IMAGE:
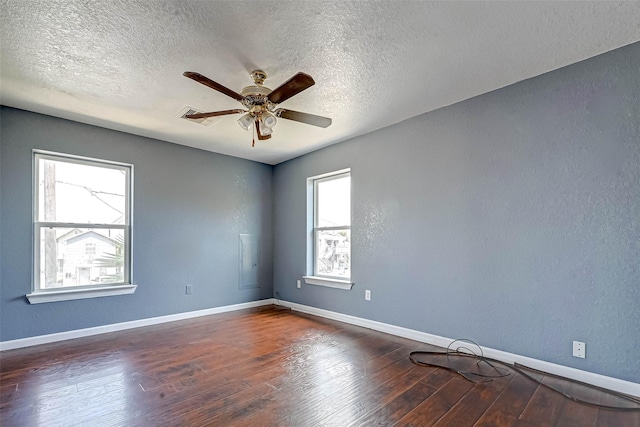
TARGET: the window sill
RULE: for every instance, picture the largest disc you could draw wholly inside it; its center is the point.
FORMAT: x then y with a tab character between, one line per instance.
330	283
71	294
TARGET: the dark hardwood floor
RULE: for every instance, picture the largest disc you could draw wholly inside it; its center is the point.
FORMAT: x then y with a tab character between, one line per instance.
269	367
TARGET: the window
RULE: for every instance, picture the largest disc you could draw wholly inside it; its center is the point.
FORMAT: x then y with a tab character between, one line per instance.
82	228
90	248
331	230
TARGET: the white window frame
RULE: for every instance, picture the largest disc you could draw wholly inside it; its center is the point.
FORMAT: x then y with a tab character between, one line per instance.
315	278
42	295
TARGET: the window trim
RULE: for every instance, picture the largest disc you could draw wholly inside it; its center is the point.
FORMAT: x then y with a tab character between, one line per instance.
314	278
68	294
40	295
329	283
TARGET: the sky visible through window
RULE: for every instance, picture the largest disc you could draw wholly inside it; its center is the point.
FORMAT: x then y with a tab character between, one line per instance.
334	202
83	194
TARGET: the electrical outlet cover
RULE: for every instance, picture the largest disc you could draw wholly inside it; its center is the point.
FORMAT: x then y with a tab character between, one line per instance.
579	349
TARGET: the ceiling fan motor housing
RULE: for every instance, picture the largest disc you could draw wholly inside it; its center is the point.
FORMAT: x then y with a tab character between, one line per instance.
256	95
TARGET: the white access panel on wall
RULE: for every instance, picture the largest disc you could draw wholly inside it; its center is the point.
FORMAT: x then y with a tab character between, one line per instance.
248	265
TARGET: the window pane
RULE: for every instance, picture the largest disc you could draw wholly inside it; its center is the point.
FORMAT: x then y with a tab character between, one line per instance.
334	202
333	253
73	192
81	256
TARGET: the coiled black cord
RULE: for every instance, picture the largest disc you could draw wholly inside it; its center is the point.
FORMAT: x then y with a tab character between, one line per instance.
505	370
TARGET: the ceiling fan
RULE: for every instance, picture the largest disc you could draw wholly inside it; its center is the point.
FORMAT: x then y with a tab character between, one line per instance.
261	102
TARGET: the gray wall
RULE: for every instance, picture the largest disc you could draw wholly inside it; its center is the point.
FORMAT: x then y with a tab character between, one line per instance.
189	208
512	219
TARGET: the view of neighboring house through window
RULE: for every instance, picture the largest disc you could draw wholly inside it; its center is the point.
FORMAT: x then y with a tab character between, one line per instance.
82	222
332	226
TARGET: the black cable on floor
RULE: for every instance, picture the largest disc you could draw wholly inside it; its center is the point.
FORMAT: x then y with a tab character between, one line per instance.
499	372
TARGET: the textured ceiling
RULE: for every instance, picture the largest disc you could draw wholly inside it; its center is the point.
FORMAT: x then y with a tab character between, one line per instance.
119	63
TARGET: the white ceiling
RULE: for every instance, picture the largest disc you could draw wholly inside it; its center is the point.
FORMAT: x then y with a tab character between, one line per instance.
119	63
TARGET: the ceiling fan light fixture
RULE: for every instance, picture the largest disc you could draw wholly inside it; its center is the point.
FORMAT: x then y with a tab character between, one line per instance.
246	121
265	131
268	120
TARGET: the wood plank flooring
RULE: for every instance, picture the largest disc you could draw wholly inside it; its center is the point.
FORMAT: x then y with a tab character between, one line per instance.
269	367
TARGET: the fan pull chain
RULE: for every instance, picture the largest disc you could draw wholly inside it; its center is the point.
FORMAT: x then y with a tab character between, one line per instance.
253	135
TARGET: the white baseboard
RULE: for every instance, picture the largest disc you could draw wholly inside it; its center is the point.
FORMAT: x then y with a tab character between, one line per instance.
79	333
598	380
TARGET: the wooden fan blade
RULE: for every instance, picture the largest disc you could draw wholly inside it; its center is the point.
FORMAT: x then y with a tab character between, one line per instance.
310	119
213	114
293	86
213	85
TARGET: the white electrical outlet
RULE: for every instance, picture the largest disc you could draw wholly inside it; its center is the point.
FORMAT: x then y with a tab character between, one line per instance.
367	295
298	284
579	349
188	290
